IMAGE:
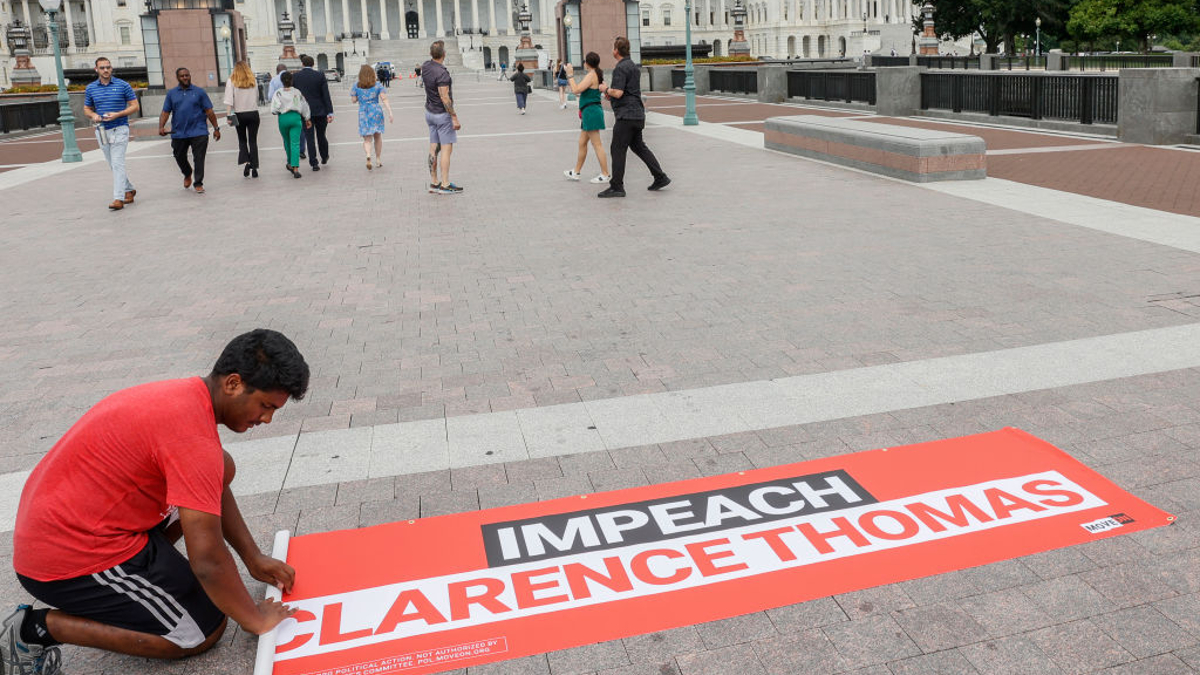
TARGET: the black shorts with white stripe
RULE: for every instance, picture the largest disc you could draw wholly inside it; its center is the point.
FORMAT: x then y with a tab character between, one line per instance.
153	592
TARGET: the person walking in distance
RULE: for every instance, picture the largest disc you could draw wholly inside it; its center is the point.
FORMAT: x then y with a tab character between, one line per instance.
441	118
276	83
108	102
241	110
521	87
294	115
315	89
626	95
192	110
560	82
591	116
99	516
371	100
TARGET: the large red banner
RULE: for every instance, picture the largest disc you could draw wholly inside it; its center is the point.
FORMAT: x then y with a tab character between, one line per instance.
453	591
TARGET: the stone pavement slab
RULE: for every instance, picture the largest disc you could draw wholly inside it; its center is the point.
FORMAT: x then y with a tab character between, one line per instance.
514	317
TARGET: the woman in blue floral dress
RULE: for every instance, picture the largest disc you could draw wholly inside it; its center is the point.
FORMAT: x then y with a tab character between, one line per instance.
371	100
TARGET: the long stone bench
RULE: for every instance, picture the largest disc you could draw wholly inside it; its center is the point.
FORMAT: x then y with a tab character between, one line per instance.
919	155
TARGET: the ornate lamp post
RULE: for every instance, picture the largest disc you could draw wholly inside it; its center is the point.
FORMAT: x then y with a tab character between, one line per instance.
739	46
929	40
525	54
689	81
66	120
24	74
567	22
288	58
1038	40
225	35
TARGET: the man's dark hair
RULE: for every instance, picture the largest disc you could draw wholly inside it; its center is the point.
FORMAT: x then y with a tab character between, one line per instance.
99	59
306	60
179	70
285	78
621	44
436	50
267	360
520	67
280	68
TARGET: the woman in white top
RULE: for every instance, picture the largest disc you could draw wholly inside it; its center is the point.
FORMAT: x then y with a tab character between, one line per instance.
241	110
293	113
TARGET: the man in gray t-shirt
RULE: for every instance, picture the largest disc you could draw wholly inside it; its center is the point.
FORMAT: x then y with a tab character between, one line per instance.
441	118
624	91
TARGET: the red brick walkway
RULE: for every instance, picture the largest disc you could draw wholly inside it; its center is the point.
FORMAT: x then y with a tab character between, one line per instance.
1165	179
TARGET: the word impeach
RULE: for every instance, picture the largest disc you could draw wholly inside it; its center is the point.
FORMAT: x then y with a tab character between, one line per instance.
551	578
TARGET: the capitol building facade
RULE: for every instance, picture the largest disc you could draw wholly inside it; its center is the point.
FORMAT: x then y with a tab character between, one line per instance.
479	33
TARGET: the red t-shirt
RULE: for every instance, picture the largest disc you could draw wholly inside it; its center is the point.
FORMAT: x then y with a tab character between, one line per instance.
115	475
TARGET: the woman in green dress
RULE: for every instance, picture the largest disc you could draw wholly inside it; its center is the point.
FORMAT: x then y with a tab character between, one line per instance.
591	116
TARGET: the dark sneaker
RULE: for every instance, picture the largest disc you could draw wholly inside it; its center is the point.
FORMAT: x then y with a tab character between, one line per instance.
434	188
659	183
450	189
19	658
611	192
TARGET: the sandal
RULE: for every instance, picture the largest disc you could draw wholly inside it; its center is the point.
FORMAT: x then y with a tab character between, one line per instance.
369	164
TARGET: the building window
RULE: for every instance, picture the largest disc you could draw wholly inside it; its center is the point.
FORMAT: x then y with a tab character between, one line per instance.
120	3
645	17
125	39
666	17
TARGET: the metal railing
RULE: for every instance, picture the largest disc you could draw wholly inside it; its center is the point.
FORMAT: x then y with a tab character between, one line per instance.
1196	60
28	115
1019	62
730	81
1086	99
1104	62
825	85
888	61
949	62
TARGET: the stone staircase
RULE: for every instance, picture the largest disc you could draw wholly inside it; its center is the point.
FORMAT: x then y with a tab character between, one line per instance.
408	54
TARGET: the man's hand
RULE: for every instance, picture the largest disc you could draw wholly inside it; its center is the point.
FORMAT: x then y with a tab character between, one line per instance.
307	124
272	614
454	118
162	131
603	88
271	571
216	134
329	119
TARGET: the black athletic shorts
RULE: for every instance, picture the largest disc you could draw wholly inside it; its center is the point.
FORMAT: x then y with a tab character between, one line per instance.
153	592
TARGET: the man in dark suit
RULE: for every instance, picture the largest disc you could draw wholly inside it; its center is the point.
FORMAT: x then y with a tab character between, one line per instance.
312	84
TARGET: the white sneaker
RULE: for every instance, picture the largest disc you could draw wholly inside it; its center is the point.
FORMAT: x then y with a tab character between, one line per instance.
522	111
563	107
571	175
599	179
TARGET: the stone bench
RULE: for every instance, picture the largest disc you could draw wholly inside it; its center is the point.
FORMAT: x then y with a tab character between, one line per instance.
918	155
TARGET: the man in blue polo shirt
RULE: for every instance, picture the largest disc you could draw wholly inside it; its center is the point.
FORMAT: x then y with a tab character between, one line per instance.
193	110
108	103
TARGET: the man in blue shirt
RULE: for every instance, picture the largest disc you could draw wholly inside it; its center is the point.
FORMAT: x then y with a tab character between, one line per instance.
193	111
108	103
276	83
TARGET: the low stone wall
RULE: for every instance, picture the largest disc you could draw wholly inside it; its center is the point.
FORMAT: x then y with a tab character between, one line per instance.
918	155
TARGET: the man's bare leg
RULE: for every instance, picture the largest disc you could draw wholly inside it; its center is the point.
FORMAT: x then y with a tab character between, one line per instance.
74	630
434	149
447	150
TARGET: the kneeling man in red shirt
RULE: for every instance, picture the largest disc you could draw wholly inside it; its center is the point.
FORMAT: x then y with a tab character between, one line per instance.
100	514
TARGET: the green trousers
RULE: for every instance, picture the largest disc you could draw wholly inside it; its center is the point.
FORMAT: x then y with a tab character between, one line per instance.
290	126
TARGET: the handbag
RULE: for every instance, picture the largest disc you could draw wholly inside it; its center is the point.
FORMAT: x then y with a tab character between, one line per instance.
233	120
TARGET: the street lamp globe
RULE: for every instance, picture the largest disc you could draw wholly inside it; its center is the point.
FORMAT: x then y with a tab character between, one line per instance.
50	6
225	32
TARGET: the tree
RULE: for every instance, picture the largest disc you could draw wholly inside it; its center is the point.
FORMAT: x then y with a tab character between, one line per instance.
1133	20
996	21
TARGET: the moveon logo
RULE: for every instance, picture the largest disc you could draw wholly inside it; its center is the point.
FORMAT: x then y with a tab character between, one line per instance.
1108	523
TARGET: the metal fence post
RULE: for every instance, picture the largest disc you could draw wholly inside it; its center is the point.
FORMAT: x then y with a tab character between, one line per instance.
956	94
994	97
1037	91
1085	101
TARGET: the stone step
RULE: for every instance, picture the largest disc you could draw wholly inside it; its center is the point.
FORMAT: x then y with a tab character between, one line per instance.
406	54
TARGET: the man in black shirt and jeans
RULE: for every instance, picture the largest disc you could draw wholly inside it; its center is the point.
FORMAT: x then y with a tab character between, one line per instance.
626	95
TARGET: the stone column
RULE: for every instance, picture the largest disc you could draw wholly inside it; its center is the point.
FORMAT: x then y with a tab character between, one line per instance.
492	26
437	10
366	19
308	30
475	15
345	17
292	15
87	19
422	29
28	22
508	10
328	20
384	33
456	24
70	27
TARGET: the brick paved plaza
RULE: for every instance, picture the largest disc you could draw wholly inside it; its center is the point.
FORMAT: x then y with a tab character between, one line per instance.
525	341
